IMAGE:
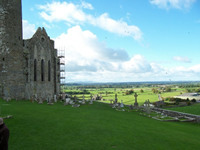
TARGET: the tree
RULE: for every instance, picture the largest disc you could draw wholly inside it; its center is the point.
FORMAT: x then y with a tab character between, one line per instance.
168	89
128	92
154	91
188	90
142	91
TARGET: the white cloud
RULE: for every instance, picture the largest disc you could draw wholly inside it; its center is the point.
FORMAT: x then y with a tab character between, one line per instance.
119	27
182	59
88	59
57	11
176	4
195	68
84	51
74	14
137	64
86	5
28	29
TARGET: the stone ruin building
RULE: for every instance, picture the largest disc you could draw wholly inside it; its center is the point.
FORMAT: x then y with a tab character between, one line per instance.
28	68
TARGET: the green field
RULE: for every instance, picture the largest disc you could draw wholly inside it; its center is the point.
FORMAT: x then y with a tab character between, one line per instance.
127	99
92	127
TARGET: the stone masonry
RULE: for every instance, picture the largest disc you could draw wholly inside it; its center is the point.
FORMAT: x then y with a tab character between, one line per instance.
28	68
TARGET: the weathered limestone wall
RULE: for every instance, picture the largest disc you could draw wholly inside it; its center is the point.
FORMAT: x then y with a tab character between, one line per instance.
41	80
11	51
22	75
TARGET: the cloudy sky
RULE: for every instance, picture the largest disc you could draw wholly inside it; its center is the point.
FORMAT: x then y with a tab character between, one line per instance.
121	40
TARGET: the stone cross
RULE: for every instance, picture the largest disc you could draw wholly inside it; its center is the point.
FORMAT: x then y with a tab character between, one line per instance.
148	103
91	96
83	97
159	97
136	103
115	98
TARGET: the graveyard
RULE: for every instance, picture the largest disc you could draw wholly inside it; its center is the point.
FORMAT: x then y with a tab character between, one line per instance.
93	126
103	118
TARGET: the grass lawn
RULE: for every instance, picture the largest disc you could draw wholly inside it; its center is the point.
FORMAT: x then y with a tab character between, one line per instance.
92	127
193	109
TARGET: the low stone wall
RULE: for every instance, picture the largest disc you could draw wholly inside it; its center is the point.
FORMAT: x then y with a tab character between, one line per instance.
177	114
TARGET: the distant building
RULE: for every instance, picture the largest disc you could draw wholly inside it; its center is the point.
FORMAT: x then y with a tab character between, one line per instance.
28	68
189	96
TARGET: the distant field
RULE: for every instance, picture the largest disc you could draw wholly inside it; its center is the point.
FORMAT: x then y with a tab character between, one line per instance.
128	99
92	127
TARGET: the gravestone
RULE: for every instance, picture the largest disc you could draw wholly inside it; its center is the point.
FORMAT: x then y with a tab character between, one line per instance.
91	101
101	97
83	97
40	101
116	105
83	101
67	100
35	97
147	107
159	97
131	107
8	99
55	98
75	99
48	100
71	102
121	105
76	105
63	96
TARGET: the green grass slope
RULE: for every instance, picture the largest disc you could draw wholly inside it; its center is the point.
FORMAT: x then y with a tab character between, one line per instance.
92	127
193	109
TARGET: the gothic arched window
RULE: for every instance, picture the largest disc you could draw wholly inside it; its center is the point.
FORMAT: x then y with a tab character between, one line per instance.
35	70
49	70
42	70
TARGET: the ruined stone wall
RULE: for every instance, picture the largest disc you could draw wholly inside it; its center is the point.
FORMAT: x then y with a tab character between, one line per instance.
22	75
11	51
41	55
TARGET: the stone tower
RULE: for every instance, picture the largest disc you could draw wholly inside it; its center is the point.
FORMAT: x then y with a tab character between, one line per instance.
12	62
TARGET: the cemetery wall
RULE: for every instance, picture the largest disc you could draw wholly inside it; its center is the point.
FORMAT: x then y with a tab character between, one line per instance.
177	114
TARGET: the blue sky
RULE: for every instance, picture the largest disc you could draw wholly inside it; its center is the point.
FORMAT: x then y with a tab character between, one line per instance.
121	40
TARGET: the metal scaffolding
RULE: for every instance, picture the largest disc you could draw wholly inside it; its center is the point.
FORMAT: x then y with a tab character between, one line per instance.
61	56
